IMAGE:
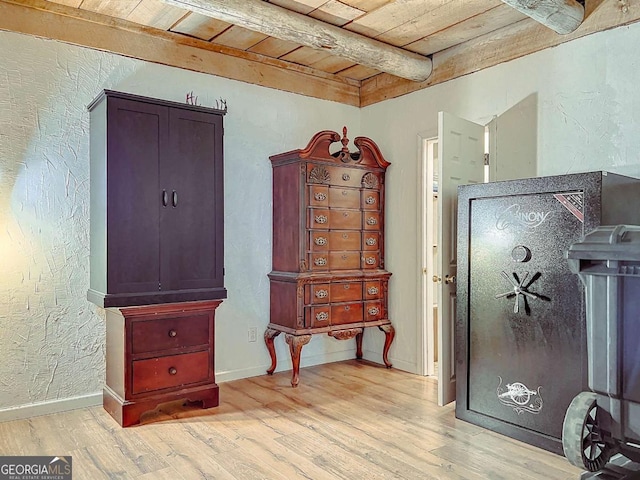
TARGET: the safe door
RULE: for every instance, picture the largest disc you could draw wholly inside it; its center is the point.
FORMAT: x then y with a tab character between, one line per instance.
525	325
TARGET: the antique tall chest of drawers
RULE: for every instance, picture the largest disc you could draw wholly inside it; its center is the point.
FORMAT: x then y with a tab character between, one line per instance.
328	245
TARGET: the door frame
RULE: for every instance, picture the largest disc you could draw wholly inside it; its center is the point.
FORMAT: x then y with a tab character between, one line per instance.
425	340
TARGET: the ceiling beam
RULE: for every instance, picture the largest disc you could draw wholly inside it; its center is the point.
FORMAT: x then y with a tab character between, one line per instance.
284	24
561	16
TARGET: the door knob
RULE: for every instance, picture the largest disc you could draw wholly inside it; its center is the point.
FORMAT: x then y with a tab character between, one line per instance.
436	279
449	279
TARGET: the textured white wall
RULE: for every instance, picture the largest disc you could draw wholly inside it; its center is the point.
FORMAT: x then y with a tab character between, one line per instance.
51	337
588	119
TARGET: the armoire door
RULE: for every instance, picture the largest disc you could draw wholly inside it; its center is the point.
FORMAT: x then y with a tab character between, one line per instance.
191	174
136	136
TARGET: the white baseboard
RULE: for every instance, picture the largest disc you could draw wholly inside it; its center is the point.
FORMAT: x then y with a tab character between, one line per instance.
50	406
376	357
283	365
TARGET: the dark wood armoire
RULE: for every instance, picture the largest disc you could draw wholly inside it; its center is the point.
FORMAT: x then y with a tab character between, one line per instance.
156	248
328	271
520	327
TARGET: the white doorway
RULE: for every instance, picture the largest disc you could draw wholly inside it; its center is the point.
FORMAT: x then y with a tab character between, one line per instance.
456	154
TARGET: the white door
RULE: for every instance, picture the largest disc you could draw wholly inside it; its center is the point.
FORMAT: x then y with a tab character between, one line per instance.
460	162
513	140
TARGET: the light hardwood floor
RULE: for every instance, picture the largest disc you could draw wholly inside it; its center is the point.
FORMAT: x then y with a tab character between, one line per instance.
347	420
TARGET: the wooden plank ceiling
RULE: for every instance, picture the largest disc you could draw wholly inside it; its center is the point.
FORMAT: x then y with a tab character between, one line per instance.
460	37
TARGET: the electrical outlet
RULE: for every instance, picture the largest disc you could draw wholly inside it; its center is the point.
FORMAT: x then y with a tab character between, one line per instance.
253	334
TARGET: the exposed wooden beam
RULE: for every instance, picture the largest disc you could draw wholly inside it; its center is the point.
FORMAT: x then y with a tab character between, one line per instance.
505	44
561	16
288	25
97	31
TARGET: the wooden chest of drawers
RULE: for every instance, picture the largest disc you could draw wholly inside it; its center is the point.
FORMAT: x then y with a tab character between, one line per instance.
157	354
328	245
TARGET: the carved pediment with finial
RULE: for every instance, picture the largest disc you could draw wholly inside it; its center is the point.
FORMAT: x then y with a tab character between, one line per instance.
319	148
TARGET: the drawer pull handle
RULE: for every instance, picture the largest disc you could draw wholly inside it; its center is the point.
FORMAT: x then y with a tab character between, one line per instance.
172	333
165	198
320	316
344	257
345	193
320	196
173	371
345	235
370	200
320	241
371	241
372	290
174	198
321	261
346	286
346	177
371	260
345	214
374	311
322	293
321	219
347	308
372	221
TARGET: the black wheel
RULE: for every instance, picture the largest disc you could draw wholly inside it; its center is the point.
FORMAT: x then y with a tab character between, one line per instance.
582	439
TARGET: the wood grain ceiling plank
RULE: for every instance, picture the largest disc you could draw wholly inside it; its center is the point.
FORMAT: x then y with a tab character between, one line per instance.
336	13
113	8
300	6
332	64
450	13
200	26
392	15
366	5
68	3
486	22
274	47
155	13
305	56
88	29
239	37
502	45
358	72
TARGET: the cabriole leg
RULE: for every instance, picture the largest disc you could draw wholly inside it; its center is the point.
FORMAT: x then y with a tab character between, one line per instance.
389	332
296	343
269	335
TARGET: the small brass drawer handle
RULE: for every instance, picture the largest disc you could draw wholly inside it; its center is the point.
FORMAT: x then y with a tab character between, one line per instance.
372	290
345	235
346	286
172	333
322	316
374	311
322	293
320	241
320	261
173	371
345	214
372	221
320	196
371	241
344	257
321	219
371	260
370	200
347	308
345	193
346	177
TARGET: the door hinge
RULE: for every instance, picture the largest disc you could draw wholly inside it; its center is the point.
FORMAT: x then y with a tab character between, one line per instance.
486	159
159	286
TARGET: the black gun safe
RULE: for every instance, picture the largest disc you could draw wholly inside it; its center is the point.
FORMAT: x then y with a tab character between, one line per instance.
520	321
